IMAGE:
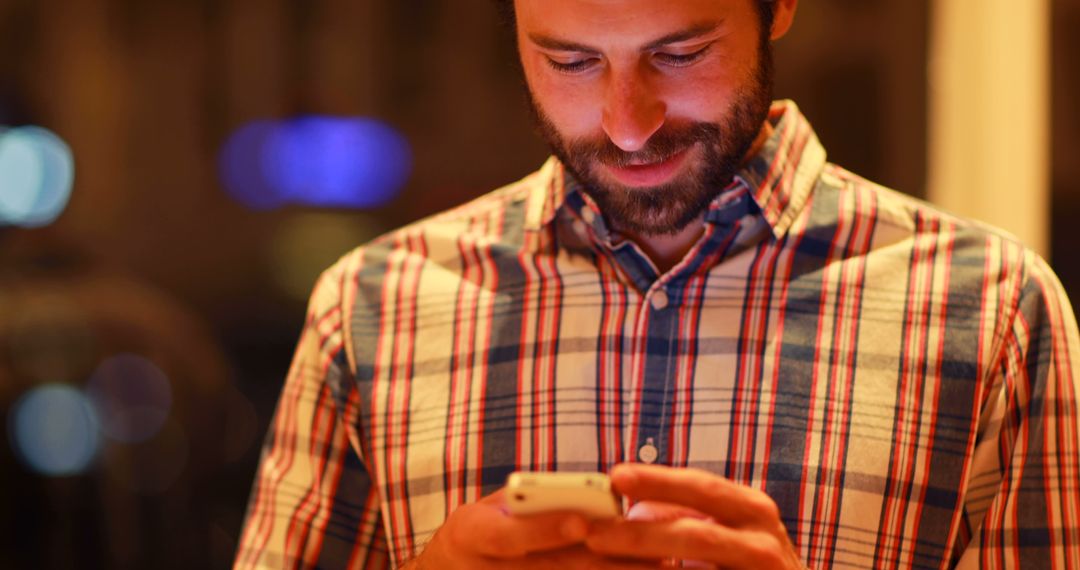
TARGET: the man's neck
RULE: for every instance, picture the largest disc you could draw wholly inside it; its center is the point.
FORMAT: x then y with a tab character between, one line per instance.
666	251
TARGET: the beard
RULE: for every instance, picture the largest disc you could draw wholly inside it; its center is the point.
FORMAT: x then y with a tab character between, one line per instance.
719	148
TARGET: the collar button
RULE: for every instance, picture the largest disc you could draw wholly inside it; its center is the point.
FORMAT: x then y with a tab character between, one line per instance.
660	300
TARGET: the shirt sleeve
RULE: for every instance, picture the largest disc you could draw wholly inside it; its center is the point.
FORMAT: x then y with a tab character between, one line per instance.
313	503
1023	501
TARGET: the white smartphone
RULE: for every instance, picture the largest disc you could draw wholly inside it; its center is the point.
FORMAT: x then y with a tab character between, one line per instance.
587	493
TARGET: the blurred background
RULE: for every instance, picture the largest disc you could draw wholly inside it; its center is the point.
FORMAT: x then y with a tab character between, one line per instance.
174	174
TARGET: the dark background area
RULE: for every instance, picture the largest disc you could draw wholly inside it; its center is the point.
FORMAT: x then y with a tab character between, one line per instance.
152	257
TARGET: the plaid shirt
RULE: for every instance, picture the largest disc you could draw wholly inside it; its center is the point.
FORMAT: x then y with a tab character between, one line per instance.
897	379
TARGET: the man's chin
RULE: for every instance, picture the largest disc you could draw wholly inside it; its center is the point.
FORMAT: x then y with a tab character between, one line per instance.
655	220
655	228
644	211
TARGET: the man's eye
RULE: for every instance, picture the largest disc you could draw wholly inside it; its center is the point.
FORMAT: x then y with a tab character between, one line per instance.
681	60
572	67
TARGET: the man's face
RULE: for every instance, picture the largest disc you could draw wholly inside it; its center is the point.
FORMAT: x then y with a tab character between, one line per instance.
651	104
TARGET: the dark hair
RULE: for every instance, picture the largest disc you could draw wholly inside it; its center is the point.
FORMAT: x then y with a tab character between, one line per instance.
765	13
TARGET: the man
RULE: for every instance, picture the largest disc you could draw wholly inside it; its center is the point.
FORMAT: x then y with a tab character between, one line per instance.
781	364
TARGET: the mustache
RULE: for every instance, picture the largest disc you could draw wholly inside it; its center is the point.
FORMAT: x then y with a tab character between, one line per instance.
664	144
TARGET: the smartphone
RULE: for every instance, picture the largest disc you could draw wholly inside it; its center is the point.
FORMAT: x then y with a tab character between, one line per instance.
587	493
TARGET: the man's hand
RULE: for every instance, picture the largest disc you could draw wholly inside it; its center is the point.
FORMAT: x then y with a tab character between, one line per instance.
483	535
693	515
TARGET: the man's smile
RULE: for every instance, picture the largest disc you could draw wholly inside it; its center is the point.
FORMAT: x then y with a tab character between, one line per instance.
649	174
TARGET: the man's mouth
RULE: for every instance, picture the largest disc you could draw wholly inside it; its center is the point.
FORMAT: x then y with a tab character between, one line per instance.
649	174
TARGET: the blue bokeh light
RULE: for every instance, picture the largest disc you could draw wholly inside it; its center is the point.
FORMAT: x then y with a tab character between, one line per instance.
132	397
242	166
54	431
330	162
37	171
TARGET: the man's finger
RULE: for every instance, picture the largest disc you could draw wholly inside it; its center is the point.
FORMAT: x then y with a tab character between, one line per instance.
656	511
575	558
728	503
486	529
690	539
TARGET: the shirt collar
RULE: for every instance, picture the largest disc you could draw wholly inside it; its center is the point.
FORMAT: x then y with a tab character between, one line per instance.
783	173
780	178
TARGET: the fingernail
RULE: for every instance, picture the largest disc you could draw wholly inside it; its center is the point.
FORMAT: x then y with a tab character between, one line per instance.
574	528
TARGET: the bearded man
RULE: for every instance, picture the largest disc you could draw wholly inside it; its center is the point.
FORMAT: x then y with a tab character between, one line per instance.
780	364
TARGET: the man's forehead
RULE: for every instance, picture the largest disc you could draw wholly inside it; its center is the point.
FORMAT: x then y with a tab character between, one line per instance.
637	21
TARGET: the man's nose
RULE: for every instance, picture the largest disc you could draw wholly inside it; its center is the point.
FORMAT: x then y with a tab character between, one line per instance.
632	111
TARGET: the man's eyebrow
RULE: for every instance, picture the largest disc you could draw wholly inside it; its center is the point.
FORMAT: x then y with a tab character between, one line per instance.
693	32
555	44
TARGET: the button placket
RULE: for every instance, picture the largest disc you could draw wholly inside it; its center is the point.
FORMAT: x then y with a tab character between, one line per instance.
652	409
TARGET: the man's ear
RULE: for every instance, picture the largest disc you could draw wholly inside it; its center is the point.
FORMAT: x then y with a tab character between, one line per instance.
783	16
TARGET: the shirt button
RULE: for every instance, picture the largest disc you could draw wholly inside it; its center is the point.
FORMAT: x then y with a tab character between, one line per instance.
648	453
660	300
